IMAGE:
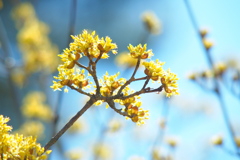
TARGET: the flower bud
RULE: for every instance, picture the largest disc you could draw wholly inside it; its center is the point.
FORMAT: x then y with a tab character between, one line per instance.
155	78
77	56
100	47
146	71
84	83
115	85
134	110
135	119
64	82
144	56
71	65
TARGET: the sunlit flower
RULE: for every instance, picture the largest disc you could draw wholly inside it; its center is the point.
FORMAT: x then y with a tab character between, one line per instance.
140	51
110	84
169	82
154	69
17	146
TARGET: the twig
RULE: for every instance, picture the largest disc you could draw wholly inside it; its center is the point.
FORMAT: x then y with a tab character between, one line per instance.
69	124
216	87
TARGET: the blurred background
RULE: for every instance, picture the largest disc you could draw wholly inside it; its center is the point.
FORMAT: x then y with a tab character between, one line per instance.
198	40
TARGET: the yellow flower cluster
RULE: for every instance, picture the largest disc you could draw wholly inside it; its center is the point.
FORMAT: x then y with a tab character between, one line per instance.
69	77
140	51
154	69
85	44
17	147
110	84
37	50
169	82
91	45
168	79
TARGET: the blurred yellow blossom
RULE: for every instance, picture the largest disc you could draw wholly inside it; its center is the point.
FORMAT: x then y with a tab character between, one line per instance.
172	141
207	43
78	126
32	128
38	53
152	22
1	4
34	107
74	154
102	151
114	125
217	140
125	61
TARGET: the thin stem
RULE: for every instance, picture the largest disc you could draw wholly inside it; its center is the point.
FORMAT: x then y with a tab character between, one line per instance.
146	82
82	66
217	87
136	68
119	111
80	91
132	77
69	124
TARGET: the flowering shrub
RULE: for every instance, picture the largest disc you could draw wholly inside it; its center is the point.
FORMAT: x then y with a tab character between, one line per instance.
110	88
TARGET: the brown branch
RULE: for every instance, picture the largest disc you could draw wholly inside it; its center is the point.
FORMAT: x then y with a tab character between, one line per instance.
119	111
79	90
132	77
69	124
81	66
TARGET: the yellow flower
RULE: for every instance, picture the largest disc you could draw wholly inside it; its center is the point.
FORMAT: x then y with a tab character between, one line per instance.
110	84
140	51
154	69
17	146
4	128
169	82
90	45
